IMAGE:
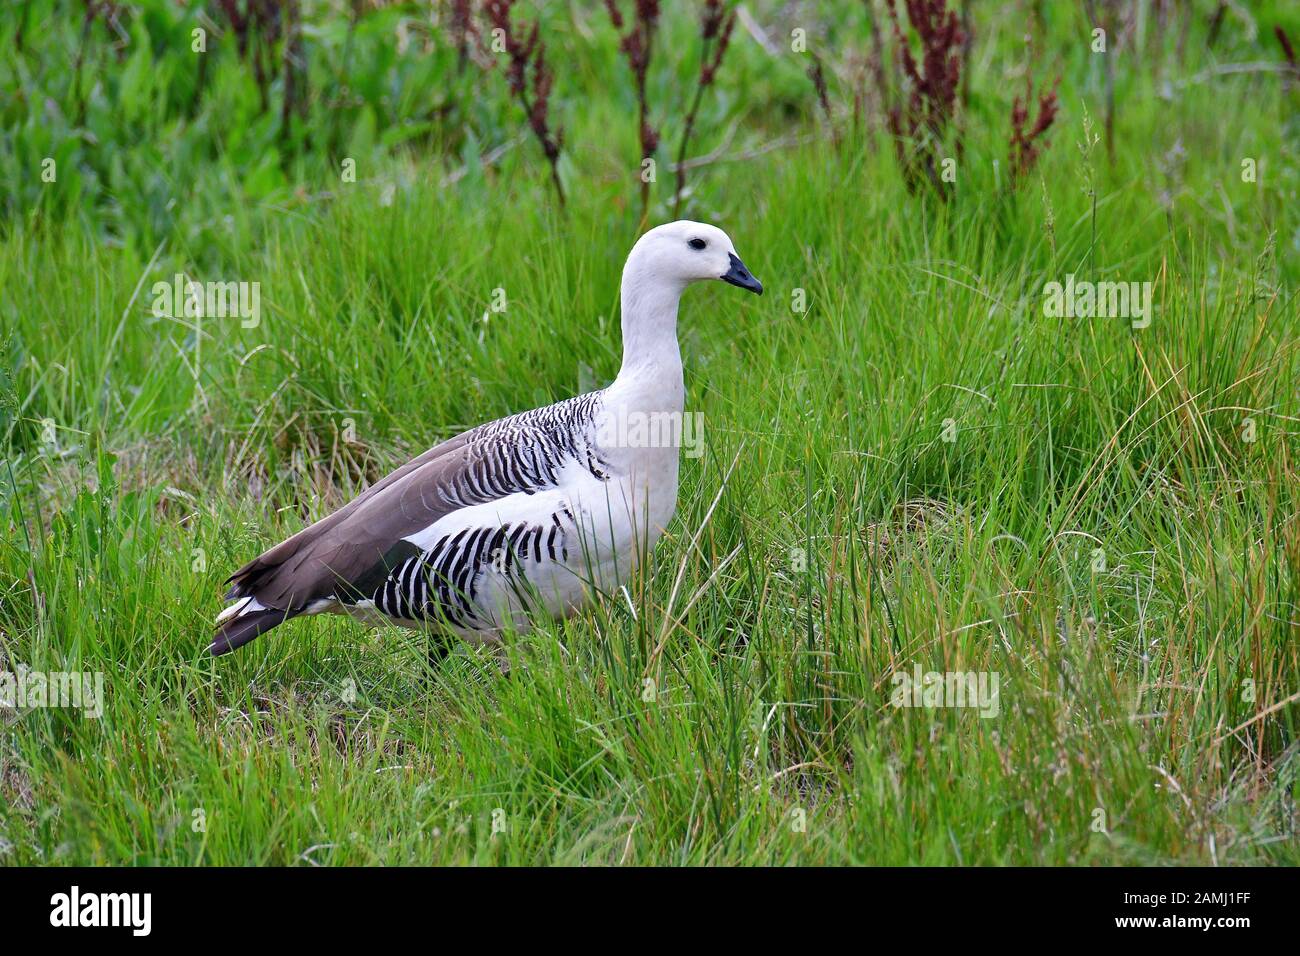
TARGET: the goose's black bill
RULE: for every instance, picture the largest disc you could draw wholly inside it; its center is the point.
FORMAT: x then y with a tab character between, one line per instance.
740	276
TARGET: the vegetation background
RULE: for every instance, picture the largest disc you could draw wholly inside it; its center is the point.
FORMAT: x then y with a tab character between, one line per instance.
1112	529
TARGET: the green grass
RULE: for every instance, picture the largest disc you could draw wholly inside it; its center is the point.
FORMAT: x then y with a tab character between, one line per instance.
1100	534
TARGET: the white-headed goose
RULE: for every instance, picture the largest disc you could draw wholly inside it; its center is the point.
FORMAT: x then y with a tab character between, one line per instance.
528	513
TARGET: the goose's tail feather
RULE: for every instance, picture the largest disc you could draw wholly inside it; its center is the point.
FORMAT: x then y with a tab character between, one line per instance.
240	628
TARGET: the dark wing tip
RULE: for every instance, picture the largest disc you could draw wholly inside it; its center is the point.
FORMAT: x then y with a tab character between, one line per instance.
238	631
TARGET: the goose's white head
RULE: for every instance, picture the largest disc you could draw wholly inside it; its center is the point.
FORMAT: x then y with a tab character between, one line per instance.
682	252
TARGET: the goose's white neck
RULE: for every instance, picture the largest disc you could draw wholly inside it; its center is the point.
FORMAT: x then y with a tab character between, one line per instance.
651	357
648	385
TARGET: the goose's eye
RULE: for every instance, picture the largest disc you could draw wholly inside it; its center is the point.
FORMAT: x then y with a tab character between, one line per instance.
697	243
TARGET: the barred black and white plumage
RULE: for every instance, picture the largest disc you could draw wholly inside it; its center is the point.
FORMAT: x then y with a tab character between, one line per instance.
526	452
535	512
441	584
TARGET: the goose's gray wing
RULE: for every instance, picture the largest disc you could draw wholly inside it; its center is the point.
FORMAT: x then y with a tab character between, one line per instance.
353	550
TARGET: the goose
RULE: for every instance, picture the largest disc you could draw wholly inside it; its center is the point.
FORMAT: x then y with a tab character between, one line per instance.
533	513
